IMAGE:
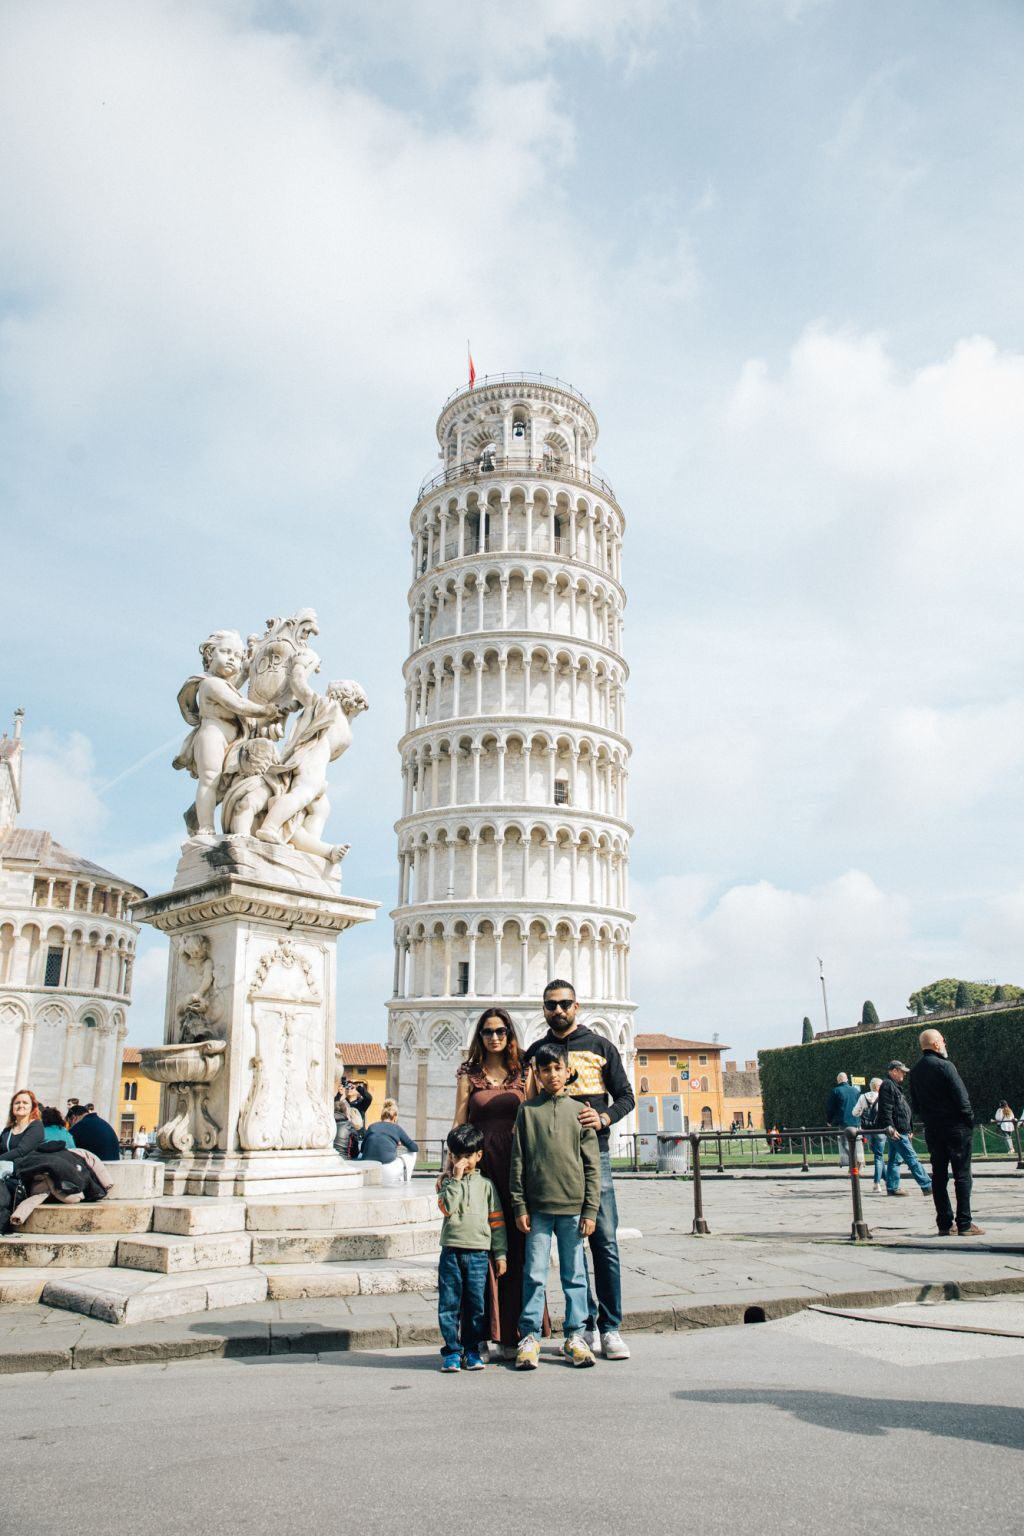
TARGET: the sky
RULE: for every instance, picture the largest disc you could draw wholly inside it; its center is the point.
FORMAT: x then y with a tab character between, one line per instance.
775	242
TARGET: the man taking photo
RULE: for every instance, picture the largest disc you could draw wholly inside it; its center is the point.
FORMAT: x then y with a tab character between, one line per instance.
598	1080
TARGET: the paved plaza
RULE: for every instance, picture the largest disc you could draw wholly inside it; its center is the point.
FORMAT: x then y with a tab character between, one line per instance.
777	1246
809	1423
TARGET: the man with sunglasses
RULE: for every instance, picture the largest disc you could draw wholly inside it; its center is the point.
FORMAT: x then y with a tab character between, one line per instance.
598	1080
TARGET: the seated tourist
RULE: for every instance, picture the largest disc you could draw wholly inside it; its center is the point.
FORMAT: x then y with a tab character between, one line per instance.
54	1129
381	1143
94	1133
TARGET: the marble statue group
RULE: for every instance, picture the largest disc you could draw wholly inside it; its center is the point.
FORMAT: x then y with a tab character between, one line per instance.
269	781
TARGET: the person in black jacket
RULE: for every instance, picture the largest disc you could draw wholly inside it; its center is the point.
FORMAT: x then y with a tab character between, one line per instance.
94	1133
892	1115
605	1093
941	1100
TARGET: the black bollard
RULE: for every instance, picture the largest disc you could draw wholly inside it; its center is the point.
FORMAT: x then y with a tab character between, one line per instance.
859	1232
700	1226
1020	1154
721	1165
805	1167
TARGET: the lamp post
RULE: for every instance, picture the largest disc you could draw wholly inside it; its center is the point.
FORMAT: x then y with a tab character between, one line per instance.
824	994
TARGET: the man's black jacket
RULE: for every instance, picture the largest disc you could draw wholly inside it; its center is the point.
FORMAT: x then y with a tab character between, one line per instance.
939	1095
892	1108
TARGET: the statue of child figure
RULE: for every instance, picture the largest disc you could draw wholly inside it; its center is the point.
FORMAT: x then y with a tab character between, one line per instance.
217	712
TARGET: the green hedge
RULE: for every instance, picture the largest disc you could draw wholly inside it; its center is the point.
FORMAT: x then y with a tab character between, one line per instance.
987	1051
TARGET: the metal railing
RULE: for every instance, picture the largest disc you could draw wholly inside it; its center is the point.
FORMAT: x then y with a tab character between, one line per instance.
516	464
859	1231
548	379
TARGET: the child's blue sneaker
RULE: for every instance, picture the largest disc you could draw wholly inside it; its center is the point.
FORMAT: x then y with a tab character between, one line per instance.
472	1361
452	1362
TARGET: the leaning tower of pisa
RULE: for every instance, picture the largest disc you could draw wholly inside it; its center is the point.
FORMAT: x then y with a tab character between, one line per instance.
513	842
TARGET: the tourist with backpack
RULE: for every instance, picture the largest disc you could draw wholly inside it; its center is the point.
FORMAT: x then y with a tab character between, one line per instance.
866	1112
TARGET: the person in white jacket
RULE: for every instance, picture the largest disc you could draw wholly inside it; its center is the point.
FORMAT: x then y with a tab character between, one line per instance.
864	1110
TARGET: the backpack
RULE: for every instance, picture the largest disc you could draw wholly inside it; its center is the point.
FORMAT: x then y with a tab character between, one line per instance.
869	1118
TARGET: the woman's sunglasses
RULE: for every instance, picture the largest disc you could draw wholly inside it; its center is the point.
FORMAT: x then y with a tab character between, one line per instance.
496	1033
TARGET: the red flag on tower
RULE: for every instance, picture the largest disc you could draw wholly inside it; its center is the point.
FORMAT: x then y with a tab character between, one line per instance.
472	370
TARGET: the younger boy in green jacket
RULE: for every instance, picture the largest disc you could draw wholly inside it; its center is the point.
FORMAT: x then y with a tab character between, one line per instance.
473	1229
556	1189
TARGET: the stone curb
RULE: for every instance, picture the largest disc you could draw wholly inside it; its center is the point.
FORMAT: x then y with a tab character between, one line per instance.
242	1339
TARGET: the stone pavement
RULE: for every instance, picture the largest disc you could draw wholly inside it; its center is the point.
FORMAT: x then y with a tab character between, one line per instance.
777	1247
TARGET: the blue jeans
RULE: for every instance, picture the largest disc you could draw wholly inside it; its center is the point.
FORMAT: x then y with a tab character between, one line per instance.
606	1310
572	1271
878	1148
901	1148
461	1287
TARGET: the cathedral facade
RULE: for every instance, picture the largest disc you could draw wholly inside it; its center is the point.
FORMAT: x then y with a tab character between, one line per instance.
513	841
67	946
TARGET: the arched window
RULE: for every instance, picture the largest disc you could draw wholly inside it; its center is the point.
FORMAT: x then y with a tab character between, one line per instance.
673	1086
645	1086
704	1085
705	1118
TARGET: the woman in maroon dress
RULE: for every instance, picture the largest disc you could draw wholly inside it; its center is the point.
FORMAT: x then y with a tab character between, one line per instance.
489	1088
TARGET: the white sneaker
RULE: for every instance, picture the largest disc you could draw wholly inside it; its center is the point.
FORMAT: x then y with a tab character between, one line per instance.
614	1346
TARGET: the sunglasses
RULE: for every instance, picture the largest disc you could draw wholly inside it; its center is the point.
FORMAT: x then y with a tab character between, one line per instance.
565	1003
497	1033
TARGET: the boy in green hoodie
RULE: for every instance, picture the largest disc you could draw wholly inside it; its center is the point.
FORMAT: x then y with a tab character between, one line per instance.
473	1229
556	1189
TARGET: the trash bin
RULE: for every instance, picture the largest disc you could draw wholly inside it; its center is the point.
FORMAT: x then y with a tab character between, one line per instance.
673	1152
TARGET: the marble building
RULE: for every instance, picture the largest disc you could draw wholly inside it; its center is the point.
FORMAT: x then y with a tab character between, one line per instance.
513	840
67	945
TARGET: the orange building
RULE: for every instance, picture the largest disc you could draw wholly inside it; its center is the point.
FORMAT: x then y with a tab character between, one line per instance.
138	1098
692	1068
367	1064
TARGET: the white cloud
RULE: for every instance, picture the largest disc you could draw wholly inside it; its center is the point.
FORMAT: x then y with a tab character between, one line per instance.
744	962
60	789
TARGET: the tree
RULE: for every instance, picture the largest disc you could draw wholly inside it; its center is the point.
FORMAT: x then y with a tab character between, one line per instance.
951	992
869	1015
808	1034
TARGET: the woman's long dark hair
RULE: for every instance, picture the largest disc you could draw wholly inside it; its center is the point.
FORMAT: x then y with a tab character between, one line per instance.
475	1059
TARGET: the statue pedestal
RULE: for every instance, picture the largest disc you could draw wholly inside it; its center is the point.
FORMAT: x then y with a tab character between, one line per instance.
248	1059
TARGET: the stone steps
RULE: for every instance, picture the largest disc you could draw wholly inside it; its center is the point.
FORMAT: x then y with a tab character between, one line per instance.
301	1282
106	1216
123	1296
167	1254
349	1213
139	1296
338	1247
70	1251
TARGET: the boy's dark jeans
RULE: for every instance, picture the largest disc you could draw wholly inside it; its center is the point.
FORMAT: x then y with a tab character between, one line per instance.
606	1311
461	1288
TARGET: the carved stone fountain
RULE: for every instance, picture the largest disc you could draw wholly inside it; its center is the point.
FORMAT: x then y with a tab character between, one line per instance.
254	916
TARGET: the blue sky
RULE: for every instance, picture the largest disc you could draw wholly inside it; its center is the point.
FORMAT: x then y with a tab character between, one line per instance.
776	243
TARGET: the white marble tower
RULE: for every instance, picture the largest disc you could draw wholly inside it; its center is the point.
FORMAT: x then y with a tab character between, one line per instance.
513	843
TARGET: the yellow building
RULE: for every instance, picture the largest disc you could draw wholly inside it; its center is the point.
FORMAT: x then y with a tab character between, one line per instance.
138	1098
692	1068
365	1064
742	1096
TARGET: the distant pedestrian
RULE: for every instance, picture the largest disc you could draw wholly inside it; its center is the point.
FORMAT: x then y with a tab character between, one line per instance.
1005	1120
839	1112
473	1232
941	1100
140	1143
866	1112
892	1114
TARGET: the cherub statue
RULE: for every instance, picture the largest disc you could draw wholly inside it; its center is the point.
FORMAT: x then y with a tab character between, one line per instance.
220	716
322	732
